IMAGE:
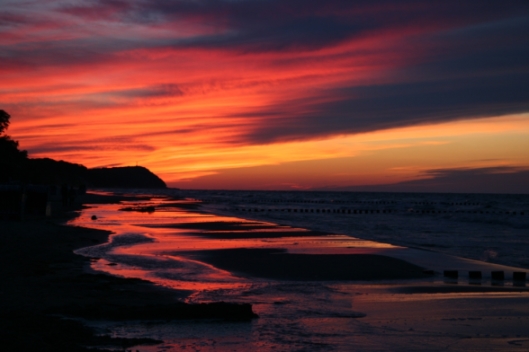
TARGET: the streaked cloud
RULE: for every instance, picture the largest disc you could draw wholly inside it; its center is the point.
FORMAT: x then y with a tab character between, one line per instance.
232	84
462	180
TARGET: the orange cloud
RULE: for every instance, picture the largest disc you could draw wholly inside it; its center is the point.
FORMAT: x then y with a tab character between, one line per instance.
191	91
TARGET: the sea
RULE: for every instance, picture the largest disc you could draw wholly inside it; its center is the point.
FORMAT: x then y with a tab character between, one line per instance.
487	227
310	315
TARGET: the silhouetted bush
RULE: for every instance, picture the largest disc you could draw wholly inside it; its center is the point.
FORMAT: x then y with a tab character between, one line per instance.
11	158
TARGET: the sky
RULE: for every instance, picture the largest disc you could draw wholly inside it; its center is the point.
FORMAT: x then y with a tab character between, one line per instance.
275	94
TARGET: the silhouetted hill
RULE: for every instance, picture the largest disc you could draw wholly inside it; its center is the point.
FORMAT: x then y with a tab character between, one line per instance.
124	177
16	167
47	171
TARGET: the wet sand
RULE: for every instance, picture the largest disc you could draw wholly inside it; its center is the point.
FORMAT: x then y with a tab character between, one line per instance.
402	310
42	278
402	315
278	264
228	235
43	281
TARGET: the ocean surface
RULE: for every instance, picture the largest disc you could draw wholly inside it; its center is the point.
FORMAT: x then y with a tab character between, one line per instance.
319	315
487	227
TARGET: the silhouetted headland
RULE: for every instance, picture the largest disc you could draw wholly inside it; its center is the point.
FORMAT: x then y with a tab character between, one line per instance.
46	171
17	168
124	177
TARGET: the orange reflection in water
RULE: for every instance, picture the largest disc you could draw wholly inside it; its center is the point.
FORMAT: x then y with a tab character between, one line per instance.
159	246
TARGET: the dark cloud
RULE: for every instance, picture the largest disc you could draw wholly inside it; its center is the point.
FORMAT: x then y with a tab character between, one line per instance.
467	58
368	108
10	19
176	132
252	26
465	180
56	125
160	90
455	82
96	10
287	37
93	147
277	25
63	53
108	99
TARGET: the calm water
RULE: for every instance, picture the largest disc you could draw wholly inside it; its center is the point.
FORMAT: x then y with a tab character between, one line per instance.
493	228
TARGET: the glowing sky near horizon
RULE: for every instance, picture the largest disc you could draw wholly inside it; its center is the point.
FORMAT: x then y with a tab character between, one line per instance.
270	94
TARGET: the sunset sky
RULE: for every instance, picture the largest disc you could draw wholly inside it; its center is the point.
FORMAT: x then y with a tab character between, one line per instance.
275	94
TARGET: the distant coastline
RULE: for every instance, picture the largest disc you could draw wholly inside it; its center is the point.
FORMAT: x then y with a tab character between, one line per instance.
46	171
17	169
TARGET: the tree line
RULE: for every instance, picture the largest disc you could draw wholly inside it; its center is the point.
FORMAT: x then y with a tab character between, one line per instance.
12	159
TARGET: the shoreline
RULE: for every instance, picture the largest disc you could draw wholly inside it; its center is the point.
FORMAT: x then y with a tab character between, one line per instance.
46	281
361	227
43	280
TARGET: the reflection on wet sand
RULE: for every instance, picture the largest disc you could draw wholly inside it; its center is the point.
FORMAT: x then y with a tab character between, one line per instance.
302	284
171	248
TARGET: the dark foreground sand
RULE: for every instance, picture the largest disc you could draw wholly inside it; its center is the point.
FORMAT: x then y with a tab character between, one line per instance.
42	281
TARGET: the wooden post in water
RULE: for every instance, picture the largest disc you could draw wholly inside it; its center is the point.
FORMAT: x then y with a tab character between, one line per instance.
23	197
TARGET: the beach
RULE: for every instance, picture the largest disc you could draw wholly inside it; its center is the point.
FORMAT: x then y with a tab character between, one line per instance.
153	274
43	282
312	290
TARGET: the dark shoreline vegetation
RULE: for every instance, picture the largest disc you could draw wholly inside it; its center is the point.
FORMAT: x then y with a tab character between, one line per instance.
45	171
42	186
45	281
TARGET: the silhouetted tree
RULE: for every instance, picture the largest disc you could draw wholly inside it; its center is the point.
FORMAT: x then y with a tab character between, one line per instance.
11	158
4	121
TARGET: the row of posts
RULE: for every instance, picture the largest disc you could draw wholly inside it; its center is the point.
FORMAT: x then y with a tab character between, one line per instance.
372	202
497	277
376	211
